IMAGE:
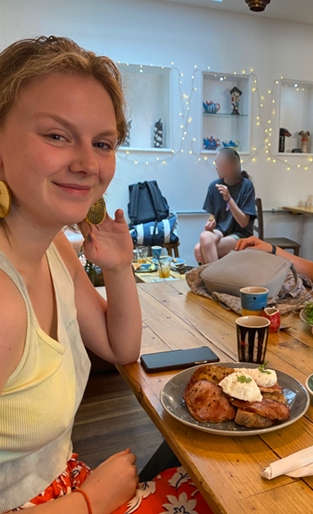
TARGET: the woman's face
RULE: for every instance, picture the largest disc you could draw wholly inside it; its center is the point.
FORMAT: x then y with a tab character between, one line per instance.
224	167
57	149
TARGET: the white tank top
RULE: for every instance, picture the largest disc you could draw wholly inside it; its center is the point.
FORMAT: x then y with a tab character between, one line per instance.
41	397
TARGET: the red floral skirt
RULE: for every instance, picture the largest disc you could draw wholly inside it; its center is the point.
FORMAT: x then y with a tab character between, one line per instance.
170	492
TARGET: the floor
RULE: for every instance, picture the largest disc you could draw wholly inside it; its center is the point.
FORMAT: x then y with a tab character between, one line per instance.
110	419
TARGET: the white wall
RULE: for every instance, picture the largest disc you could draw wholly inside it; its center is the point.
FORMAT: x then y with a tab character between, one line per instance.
150	31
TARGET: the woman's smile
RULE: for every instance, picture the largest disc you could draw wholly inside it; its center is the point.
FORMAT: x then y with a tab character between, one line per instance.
78	189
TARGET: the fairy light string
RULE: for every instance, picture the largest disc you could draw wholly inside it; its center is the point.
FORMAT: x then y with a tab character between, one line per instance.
264	124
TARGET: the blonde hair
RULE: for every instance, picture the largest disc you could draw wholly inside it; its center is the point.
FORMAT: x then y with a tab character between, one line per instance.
28	59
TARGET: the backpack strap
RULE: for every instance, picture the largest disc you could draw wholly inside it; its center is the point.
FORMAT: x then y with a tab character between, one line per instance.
133	203
156	196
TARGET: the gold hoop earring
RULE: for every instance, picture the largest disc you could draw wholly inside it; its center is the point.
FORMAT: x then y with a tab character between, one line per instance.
5	199
97	212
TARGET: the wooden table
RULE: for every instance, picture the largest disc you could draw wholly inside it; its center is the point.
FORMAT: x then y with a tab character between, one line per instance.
154	277
226	469
299	210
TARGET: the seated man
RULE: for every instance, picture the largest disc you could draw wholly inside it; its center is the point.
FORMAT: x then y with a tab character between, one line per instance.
230	202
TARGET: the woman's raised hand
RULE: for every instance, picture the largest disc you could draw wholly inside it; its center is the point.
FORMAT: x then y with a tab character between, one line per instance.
108	245
223	190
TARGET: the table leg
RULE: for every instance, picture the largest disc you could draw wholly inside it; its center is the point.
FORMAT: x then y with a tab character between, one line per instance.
163	458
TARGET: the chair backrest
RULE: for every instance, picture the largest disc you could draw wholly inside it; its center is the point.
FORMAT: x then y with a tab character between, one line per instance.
259	227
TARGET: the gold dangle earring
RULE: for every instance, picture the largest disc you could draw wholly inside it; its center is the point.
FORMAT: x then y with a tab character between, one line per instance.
97	212
5	199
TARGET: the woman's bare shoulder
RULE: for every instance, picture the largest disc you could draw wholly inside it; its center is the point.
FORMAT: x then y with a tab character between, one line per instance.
13	326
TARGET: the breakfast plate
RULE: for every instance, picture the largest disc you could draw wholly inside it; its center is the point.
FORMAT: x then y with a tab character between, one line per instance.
297	397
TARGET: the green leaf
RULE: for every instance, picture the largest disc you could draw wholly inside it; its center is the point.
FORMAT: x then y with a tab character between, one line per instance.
242	379
263	370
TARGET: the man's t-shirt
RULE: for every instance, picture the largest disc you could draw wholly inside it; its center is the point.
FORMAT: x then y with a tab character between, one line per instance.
244	196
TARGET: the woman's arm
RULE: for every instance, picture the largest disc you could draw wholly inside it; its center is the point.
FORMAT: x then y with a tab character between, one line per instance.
241	218
111	329
302	266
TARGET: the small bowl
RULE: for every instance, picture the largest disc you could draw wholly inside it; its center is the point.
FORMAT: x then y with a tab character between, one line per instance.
178	262
304	319
309	384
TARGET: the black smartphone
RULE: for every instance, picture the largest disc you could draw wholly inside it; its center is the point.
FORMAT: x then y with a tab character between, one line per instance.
177	359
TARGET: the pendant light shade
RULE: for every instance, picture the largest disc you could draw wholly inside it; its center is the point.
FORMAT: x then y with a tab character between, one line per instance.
257	5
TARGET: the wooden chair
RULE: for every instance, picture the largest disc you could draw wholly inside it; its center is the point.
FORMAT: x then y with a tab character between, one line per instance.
172	248
282	242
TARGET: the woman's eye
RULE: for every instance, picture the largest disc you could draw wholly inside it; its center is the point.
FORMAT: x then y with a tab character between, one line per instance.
103	146
56	137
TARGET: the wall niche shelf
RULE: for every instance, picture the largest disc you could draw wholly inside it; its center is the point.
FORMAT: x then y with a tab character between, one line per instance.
147	92
131	149
295	113
219	114
224	125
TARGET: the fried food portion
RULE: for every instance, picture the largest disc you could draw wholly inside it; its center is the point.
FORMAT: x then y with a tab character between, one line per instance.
207	402
268	408
252	420
210	373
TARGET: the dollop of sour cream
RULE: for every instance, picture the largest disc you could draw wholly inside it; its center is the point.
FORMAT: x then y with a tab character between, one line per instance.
263	377
242	386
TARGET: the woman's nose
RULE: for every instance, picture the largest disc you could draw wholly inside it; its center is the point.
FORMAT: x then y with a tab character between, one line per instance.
85	161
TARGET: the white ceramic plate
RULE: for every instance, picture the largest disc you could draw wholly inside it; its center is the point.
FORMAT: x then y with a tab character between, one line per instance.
303	317
297	397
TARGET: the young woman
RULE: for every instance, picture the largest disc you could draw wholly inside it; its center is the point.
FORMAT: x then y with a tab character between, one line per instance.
61	119
230	204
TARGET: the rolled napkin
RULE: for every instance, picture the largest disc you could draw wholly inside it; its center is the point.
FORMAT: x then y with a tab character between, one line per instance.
299	464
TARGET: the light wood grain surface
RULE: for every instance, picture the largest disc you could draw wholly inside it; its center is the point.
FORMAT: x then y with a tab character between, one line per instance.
299	210
226	469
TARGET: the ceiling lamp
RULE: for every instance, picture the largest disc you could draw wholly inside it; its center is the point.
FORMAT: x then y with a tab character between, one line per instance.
257	5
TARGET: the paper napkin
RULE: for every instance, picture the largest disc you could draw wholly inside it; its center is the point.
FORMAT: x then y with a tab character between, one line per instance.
299	464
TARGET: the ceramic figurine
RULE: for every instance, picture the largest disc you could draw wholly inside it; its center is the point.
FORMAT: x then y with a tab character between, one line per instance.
235	99
211	107
231	144
304	141
158	134
211	143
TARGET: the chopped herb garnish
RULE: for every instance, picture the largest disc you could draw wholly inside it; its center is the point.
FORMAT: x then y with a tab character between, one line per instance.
242	379
263	370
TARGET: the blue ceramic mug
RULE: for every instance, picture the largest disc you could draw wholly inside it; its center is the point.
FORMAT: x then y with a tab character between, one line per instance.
156	252
253	300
